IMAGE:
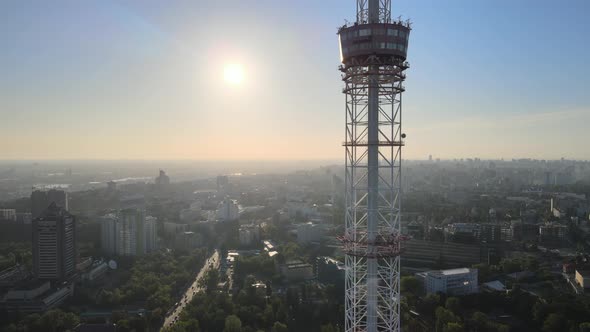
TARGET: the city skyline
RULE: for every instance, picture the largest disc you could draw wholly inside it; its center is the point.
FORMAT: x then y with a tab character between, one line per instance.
140	80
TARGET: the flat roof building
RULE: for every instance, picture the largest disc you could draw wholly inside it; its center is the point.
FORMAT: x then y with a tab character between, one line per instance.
54	244
452	282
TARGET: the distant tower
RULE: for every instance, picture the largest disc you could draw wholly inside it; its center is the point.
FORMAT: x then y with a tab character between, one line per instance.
373	54
162	180
54	244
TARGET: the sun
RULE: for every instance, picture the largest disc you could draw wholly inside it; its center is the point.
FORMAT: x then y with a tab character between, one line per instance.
233	74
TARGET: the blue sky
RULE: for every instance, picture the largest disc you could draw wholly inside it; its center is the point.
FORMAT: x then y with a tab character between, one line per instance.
143	79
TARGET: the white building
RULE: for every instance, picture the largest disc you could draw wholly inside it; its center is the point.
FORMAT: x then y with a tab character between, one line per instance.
452	282
228	210
128	233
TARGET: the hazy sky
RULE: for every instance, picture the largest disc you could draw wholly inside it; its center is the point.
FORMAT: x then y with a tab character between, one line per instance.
144	79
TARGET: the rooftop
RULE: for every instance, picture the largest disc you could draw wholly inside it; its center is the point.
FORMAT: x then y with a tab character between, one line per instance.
455	271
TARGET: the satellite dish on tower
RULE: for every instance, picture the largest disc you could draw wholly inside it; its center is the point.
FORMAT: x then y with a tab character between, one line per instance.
113	264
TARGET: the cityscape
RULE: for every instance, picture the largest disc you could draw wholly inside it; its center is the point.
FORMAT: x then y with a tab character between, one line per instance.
183	168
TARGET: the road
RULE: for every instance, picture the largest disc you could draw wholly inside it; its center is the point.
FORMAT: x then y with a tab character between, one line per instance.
211	262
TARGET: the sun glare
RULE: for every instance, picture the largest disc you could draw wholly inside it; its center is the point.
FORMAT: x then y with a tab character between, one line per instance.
233	74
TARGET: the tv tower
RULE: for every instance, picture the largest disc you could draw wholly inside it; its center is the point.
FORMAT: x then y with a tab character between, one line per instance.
373	54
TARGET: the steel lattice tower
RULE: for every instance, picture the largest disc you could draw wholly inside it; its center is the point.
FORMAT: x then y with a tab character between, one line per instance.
373	54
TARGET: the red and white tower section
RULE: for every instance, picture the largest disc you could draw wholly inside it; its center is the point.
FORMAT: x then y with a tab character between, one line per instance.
373	54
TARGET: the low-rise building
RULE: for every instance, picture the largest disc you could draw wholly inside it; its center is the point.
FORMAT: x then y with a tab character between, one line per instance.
270	248
12	275
452	282
98	269
297	270
35	296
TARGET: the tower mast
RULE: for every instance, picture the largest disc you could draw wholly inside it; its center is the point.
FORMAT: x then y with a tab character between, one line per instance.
373	54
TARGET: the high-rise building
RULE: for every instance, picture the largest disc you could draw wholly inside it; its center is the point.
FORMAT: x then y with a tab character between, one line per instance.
228	210
54	244
150	224
222	182
41	199
108	229
128	233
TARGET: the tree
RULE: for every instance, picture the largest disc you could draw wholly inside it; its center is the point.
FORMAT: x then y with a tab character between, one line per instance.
584	327
410	284
453	304
279	327
209	281
453	327
554	323
443	317
479	321
232	324
191	325
328	328
510	265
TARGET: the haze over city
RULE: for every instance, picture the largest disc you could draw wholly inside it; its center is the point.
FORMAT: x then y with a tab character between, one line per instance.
237	166
146	80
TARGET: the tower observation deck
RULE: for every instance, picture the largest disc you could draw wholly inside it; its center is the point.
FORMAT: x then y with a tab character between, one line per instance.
373	53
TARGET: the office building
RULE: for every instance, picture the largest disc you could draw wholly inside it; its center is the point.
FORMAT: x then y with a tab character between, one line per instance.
54	244
40	200
460	281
